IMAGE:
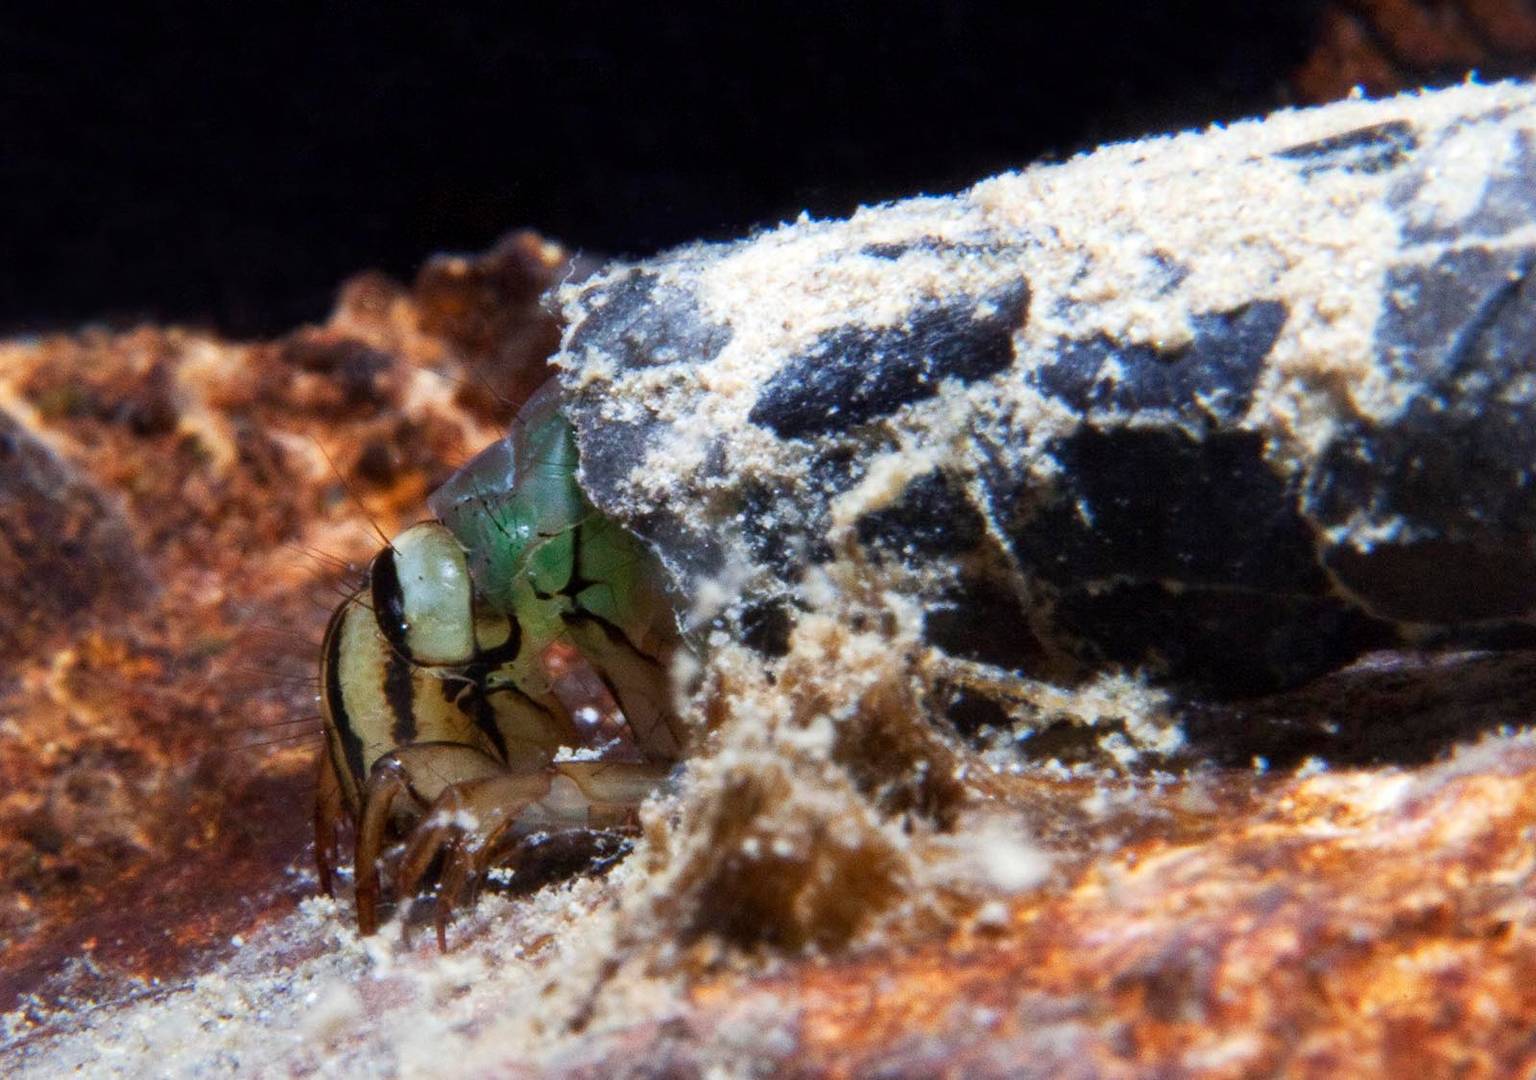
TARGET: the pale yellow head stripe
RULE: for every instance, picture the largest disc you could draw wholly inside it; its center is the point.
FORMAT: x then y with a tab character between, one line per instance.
435	594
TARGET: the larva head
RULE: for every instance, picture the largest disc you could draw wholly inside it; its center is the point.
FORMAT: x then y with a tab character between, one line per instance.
393	665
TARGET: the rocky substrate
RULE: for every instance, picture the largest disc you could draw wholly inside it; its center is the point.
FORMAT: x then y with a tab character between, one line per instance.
1109	590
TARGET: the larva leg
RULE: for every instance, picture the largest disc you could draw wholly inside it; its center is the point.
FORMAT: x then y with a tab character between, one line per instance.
476	823
611	791
385	784
464	827
327	818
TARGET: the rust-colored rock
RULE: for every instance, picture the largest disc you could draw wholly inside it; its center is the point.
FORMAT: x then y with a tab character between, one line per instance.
1347	923
1385	46
176	515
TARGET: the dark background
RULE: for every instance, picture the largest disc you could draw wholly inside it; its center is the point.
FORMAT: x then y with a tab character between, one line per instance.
166	166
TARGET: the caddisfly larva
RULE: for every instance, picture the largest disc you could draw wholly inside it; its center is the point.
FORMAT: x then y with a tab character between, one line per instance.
444	720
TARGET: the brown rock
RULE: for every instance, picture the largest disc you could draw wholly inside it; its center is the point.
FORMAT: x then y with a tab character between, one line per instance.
176	513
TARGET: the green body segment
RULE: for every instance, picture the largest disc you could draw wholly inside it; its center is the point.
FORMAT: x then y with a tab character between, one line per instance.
541	554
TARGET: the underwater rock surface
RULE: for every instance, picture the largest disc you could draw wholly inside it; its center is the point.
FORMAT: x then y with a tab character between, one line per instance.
890	853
